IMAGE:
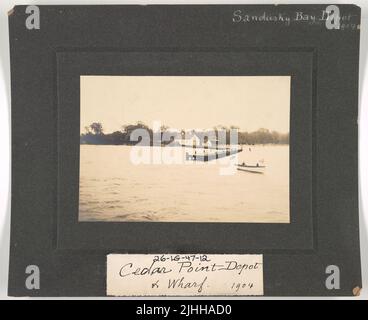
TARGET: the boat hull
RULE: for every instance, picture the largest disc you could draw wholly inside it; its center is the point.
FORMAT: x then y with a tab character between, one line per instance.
211	156
252	169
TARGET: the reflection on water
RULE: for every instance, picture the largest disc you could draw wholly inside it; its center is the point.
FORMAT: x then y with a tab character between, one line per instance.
114	189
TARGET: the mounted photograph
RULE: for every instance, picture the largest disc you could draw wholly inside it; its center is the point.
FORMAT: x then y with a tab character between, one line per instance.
184	149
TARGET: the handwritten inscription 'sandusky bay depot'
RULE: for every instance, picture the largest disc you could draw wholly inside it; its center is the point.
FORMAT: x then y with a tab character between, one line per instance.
184	275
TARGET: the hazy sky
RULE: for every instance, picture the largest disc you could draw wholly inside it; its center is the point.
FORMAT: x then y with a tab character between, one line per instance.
187	102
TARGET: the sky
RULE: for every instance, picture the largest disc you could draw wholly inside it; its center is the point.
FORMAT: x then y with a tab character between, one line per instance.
186	102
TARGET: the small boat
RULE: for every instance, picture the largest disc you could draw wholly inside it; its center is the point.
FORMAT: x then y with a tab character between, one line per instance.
254	169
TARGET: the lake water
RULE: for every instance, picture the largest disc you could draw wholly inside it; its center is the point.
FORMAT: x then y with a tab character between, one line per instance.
112	188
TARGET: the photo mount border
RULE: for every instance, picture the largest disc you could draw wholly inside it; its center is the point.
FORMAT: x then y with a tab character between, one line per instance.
77	272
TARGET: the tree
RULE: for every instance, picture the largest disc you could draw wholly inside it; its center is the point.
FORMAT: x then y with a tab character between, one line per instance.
96	128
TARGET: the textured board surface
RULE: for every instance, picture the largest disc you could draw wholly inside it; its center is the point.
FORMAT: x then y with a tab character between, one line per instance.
184	40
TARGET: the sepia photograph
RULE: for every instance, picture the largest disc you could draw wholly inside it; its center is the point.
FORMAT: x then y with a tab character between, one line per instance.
184	148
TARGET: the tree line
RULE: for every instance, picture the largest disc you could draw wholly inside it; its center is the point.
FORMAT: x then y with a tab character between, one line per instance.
94	134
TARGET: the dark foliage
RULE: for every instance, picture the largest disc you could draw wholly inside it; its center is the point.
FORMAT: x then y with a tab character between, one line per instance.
94	135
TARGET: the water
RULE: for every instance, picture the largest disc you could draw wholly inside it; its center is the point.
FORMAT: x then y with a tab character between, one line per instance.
112	188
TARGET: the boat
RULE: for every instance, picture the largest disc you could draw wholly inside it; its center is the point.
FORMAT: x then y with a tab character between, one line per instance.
205	154
251	168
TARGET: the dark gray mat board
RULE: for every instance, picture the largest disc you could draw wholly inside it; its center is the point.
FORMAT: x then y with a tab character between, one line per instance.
184	40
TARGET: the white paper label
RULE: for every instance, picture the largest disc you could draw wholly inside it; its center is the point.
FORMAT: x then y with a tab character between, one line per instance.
184	274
